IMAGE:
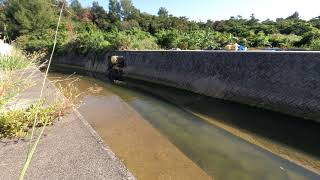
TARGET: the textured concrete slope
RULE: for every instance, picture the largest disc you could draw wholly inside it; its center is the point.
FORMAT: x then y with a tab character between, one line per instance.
287	82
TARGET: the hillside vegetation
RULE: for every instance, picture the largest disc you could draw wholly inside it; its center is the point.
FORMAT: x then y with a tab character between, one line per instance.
122	26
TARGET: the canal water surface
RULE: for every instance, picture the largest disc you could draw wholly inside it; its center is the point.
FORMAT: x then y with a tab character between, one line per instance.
159	135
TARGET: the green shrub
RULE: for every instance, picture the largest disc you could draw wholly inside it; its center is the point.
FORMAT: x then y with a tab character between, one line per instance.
134	39
259	39
198	39
16	123
315	45
284	41
168	39
128	25
92	40
43	41
32	42
308	37
204	39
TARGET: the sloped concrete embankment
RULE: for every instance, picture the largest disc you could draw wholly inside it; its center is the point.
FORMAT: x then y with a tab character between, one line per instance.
70	149
287	82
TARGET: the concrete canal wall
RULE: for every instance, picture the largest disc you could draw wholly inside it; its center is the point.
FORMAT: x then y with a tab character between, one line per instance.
287	82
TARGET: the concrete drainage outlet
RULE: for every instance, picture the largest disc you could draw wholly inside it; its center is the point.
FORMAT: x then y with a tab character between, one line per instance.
115	68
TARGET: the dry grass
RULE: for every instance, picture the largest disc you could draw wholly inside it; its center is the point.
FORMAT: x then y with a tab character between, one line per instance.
17	123
16	75
12	76
19	60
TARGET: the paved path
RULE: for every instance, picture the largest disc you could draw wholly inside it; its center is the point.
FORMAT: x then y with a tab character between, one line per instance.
70	149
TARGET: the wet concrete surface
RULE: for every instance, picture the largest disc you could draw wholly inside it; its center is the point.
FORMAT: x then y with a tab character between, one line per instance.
123	115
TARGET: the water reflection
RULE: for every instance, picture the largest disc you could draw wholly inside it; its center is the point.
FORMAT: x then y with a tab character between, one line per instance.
292	138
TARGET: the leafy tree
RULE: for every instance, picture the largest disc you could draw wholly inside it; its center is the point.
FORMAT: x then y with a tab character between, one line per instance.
24	16
99	16
93	29
127	9
86	16
2	18
76	7
163	12
294	16
315	22
92	40
114	10
253	20
267	26
309	37
297	28
41	41
127	25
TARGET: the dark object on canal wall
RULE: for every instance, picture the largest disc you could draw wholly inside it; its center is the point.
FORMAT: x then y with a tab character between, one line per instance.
115	68
287	82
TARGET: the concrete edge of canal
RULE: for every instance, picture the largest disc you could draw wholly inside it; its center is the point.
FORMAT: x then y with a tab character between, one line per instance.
69	149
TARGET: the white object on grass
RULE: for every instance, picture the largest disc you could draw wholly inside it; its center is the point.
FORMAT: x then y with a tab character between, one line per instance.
5	49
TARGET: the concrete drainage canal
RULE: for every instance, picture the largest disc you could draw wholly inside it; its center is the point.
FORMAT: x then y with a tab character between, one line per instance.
164	133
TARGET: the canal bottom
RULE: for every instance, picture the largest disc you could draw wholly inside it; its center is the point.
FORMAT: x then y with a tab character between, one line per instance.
184	136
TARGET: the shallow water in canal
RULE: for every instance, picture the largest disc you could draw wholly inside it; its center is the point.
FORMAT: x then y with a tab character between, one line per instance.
159	135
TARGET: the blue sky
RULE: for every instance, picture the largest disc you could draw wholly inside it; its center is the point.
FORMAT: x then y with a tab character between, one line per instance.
223	9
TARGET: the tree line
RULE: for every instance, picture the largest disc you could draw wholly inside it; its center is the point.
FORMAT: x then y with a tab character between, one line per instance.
84	30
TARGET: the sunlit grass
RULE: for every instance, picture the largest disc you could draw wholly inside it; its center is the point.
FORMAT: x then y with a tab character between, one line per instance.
16	61
16	75
18	122
13	82
10	86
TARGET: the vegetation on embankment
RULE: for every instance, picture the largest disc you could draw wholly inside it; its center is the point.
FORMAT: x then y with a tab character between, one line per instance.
16	61
11	83
123	26
17	121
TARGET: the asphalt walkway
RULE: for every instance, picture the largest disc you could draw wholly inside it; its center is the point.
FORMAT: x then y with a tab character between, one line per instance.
70	149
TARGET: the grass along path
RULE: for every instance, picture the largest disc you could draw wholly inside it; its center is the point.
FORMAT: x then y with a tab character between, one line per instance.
18	73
